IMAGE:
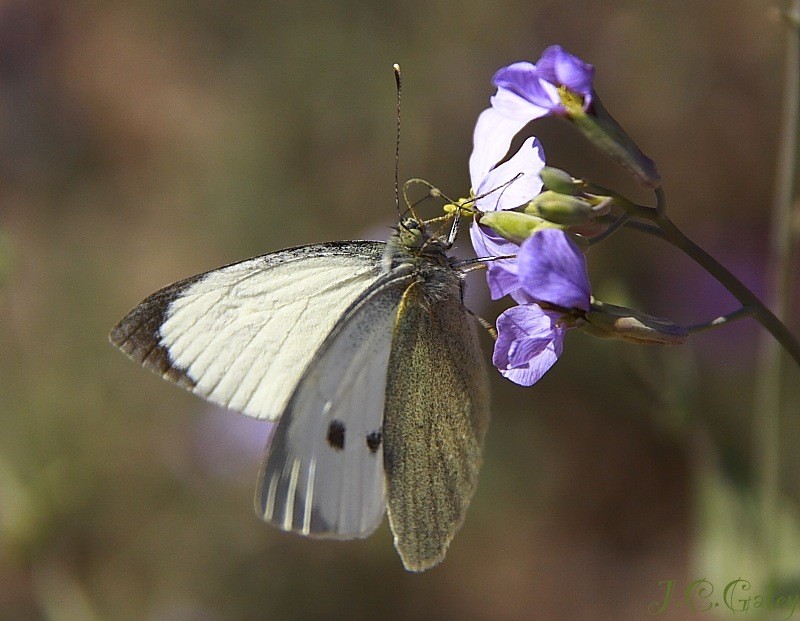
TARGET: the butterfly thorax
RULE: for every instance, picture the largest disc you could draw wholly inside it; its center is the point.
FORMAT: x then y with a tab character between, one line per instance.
422	254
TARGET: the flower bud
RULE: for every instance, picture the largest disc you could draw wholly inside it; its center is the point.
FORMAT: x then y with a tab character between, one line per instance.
514	226
560	208
610	321
560	181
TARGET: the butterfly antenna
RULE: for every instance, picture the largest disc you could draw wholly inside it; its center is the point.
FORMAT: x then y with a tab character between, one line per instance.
398	80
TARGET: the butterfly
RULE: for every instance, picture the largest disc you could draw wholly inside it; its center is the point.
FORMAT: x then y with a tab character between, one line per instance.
364	354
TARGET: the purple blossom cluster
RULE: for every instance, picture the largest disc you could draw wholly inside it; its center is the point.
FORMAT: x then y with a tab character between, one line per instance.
547	275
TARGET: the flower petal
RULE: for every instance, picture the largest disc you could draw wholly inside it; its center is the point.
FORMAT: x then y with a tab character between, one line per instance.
502	279
487	243
520	87
552	269
521	173
515	103
529	341
561	68
501	276
491	140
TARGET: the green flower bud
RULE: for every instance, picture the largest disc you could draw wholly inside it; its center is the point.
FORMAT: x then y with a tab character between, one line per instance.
560	208
514	226
610	321
559	181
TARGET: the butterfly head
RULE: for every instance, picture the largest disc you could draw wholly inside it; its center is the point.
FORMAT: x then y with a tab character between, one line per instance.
416	237
412	233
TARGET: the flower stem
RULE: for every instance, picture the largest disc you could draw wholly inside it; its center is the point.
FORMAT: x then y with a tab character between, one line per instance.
740	313
667	230
615	225
768	367
735	286
636	225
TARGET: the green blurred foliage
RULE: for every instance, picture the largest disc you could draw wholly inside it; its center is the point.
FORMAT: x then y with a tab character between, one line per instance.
143	141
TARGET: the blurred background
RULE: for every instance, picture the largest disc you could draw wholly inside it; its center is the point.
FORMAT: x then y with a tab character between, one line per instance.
145	141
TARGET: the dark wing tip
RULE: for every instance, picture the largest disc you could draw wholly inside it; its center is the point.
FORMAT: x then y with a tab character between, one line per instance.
137	334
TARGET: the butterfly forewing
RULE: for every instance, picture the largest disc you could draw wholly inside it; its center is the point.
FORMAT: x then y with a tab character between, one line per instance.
433	429
241	336
323	475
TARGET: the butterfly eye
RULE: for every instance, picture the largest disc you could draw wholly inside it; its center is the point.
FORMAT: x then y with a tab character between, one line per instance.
411	233
410	225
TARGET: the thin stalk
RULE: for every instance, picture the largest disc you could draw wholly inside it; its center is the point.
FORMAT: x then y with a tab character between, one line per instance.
615	225
735	286
740	313
766	420
667	230
636	225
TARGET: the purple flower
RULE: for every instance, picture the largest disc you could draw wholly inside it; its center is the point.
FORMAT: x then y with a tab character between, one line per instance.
509	185
548	276
538	85
560	84
549	272
529	341
552	269
525	92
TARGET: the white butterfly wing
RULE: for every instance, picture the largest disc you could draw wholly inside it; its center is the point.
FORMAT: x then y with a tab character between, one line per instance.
241	336
324	473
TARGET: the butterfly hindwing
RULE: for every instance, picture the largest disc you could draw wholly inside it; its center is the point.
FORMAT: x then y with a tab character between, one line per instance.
241	336
323	474
433	429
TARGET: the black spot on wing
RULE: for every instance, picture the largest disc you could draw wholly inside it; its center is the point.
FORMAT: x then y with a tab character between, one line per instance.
374	441
336	434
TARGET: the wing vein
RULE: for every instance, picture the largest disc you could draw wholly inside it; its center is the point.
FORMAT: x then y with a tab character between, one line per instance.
269	507
312	467
254	389
288	516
